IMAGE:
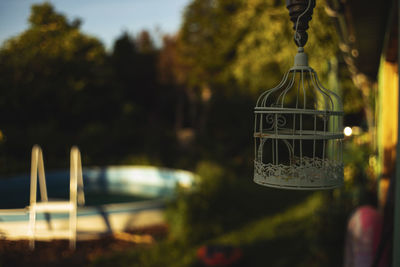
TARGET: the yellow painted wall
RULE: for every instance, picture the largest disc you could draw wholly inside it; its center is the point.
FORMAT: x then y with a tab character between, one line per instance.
387	124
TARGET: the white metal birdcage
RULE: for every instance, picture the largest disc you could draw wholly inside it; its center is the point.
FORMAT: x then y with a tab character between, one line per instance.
298	132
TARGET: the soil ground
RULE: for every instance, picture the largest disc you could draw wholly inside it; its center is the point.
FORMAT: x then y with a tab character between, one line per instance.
57	252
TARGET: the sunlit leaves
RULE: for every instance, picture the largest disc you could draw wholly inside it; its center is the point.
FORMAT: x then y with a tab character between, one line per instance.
248	44
268	48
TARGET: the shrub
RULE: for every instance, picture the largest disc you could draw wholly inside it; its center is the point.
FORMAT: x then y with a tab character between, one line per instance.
204	211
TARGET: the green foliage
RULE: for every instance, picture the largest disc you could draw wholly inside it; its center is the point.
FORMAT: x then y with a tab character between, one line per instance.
199	213
44	15
352	97
161	254
249	42
59	88
222	200
268	48
358	183
208	39
294	231
53	82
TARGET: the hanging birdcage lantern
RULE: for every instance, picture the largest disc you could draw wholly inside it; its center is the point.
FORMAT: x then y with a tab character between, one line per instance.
298	128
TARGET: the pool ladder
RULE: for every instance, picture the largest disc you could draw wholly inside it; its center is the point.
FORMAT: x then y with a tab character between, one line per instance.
45	206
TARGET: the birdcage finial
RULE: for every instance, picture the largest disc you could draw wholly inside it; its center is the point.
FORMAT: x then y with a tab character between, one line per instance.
301	59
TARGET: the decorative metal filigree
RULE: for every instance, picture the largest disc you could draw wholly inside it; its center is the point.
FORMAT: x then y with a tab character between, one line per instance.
275	120
308	172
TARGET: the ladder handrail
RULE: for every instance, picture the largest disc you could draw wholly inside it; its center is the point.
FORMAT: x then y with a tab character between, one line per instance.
37	164
77	195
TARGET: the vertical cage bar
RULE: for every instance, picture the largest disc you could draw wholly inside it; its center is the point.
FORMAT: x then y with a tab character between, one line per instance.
293	133
276	140
301	140
315	133
273	150
324	142
304	90
255	137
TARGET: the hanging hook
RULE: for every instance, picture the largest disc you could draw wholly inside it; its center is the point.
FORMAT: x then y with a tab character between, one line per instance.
300	12
297	36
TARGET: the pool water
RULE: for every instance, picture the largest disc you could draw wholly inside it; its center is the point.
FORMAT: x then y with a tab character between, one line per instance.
94	199
102	185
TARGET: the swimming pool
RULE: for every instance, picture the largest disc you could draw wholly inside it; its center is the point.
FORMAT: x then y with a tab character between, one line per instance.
118	198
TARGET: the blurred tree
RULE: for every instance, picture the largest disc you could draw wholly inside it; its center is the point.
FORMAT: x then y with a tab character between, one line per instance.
134	61
54	85
240	40
145	107
171	73
145	43
45	15
59	87
207	39
171	68
146	73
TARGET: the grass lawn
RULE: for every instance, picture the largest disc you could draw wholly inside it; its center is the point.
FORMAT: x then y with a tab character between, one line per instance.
287	238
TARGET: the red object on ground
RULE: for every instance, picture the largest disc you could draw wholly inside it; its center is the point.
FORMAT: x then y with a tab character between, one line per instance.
218	255
363	237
